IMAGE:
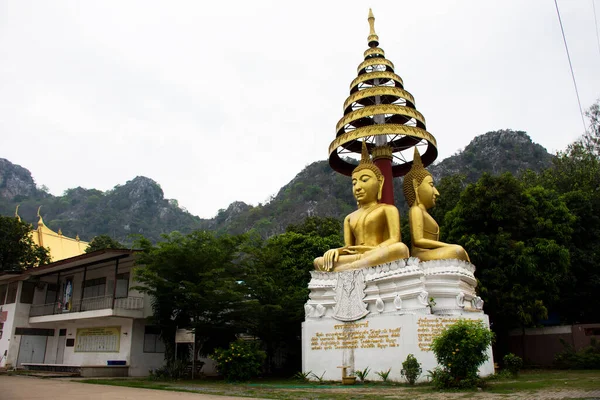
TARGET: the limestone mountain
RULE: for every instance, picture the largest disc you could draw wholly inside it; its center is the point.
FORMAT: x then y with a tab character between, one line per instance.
139	205
494	152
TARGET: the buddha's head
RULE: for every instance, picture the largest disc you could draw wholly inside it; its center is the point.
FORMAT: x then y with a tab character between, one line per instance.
418	185
367	179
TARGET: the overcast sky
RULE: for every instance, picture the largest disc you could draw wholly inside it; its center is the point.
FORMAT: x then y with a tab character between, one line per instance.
228	100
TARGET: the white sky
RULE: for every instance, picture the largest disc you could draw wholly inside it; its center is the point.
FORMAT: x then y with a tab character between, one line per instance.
228	100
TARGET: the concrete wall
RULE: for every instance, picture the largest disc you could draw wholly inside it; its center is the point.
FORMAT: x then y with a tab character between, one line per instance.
141	362
539	346
71	357
18	316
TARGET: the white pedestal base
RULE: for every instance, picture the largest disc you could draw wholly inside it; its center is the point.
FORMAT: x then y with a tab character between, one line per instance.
375	317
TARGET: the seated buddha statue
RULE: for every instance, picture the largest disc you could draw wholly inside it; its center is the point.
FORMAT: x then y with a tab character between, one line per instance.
420	194
372	232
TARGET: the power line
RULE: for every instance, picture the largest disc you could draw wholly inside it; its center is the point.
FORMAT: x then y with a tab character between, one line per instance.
596	22
570	65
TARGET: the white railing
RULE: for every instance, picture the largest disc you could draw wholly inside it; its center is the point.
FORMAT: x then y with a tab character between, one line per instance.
88	304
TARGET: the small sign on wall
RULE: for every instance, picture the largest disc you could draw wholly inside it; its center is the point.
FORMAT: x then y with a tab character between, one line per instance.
184	336
98	340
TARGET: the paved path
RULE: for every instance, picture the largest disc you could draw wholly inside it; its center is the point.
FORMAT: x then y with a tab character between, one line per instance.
29	388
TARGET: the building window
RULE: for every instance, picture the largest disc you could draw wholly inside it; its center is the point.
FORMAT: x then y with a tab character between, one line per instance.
3	289
11	294
122	285
51	293
94	288
592	331
152	341
1	329
27	293
34	331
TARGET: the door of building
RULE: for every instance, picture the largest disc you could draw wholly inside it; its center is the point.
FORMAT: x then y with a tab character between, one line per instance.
60	351
32	349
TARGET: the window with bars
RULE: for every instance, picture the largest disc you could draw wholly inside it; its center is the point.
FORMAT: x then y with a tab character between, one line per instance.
122	285
11	294
152	341
94	288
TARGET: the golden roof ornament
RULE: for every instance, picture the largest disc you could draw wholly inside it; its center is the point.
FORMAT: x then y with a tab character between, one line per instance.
380	112
373	38
17	213
40	220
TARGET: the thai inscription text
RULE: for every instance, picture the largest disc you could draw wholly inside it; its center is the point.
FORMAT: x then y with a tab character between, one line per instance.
428	328
355	336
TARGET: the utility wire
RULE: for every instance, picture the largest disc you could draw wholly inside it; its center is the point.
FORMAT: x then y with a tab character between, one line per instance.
570	66
596	22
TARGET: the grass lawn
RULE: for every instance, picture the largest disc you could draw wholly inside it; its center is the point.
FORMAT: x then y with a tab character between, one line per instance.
529	382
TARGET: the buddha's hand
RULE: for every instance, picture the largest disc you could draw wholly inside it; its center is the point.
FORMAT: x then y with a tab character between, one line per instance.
360	249
330	258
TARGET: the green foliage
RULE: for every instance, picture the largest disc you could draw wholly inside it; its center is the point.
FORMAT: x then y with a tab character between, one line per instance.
586	358
303	376
102	242
242	361
277	272
519	239
319	226
17	249
513	363
450	188
411	369
443	379
362	375
384	375
194	283
172	370
460	349
318	378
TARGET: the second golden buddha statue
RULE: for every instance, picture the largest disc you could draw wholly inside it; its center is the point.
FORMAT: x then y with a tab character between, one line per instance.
420	194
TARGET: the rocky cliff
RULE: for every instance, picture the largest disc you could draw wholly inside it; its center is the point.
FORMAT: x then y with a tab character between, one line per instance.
139	206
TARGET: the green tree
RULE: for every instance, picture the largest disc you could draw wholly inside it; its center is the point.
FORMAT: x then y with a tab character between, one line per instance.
102	242
278	272
17	249
518	237
575	174
195	283
321	226
450	188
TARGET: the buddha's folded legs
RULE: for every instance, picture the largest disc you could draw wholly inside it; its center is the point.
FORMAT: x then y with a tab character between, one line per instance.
370	258
452	251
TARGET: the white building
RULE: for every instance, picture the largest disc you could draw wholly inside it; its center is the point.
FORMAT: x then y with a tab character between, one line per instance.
79	314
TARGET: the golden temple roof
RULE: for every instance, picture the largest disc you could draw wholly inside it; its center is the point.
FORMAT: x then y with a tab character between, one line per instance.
59	246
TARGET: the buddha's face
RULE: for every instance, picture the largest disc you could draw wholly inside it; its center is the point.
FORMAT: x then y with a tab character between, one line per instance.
427	193
365	186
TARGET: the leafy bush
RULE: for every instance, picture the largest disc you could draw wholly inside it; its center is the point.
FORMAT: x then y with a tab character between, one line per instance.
172	370
362	375
460	349
411	369
384	375
513	363
243	360
302	376
586	358
319	378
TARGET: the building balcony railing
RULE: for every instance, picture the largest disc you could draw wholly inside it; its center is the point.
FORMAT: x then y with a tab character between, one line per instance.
89	304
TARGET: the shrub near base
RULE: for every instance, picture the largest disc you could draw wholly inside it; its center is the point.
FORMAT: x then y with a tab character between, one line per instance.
460	349
242	361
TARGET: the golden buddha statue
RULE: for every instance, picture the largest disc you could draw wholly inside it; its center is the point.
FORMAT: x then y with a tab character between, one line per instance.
371	233
420	194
